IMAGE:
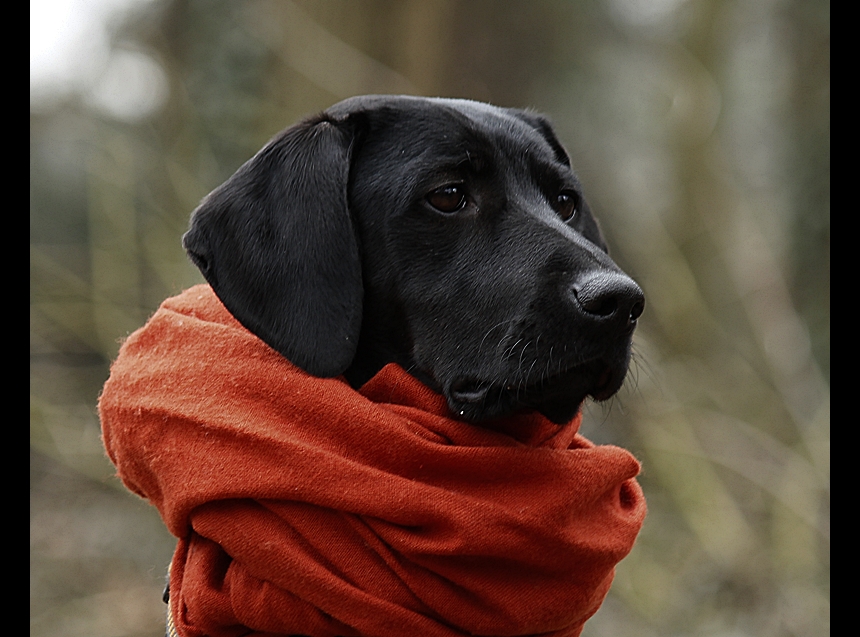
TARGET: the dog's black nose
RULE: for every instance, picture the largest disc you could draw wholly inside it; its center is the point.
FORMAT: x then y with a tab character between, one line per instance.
610	296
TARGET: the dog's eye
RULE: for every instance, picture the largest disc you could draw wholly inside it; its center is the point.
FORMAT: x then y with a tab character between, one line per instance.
448	199
566	204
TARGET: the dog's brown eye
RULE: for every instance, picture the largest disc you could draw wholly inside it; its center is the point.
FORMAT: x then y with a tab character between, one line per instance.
566	204
448	199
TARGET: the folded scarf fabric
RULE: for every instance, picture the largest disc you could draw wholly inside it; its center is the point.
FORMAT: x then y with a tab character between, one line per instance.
304	507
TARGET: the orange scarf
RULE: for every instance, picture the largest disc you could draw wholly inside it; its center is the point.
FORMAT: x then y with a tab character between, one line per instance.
305	507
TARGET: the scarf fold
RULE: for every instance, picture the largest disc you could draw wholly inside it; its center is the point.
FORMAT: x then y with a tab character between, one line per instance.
304	507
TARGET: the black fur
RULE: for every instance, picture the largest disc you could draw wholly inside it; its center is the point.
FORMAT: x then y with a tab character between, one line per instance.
330	245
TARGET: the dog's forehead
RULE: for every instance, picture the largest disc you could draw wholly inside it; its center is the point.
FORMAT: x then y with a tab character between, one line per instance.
410	105
446	123
497	123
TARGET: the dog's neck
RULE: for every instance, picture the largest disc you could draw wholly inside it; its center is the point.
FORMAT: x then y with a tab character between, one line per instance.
383	340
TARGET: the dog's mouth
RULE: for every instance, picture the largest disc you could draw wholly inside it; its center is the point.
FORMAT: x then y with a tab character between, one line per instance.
558	397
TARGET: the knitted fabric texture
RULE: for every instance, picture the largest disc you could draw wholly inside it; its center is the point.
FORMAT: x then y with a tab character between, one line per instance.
305	507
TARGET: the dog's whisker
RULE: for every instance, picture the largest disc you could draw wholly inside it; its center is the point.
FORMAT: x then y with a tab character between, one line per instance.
523	353
490	331
528	374
510	351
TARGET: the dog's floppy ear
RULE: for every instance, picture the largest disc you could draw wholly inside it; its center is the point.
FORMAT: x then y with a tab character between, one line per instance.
543	126
277	245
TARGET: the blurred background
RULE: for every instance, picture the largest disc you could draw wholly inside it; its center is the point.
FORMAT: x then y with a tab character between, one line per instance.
701	130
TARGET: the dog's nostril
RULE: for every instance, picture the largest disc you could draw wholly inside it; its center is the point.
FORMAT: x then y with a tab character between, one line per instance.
610	295
599	306
636	310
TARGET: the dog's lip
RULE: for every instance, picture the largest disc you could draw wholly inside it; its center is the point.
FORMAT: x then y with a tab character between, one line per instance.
473	390
595	378
605	385
469	391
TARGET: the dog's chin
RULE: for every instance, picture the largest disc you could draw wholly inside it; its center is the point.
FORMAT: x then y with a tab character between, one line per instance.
559	398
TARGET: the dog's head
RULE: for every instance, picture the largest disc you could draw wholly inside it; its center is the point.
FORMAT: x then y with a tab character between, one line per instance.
448	236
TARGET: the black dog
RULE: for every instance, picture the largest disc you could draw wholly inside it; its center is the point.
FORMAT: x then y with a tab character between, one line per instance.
448	236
